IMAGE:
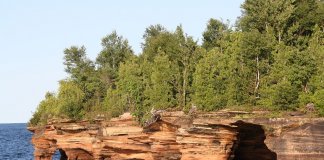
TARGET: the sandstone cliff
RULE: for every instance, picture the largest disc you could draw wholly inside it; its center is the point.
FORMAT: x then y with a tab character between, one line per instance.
174	135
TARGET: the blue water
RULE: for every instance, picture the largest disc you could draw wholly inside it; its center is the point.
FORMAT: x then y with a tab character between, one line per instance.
15	143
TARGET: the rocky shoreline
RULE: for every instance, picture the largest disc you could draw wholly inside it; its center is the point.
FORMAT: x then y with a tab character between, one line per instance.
175	135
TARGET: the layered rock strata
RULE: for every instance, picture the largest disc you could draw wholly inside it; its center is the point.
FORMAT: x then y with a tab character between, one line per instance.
175	136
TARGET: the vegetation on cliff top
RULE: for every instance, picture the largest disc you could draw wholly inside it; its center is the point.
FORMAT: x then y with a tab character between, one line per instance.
272	58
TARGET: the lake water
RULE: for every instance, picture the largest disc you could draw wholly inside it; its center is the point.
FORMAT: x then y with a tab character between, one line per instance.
15	143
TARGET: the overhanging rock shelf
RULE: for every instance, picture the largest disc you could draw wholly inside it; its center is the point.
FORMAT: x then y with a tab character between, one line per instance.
175	136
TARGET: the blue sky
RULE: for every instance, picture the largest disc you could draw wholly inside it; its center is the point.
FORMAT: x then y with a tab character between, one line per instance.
34	33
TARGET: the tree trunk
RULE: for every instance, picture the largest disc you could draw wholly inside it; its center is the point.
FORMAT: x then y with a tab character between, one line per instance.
113	63
257	81
184	86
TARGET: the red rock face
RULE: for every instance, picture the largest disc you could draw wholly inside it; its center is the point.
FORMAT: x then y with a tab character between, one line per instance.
175	136
298	139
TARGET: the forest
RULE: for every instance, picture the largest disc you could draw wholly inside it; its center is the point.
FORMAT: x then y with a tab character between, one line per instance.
271	59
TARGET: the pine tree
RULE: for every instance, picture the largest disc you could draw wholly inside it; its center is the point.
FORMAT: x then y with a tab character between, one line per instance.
130	83
161	92
210	81
213	34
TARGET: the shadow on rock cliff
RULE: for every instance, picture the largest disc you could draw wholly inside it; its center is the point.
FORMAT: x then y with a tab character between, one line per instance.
63	155
250	144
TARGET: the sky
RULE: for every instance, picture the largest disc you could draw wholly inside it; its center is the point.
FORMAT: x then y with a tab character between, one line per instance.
34	33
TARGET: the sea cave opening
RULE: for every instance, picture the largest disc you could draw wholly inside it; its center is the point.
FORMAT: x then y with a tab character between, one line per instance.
250	144
60	155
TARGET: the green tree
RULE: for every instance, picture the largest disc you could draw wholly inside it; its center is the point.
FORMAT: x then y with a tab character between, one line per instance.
165	42
151	32
316	48
161	92
290	19
115	103
292	68
46	109
71	98
239	80
257	56
128	94
265	14
285	95
313	91
318	99
184	59
130	84
76	63
180	49
210	82
306	14
116	50
213	34
81	70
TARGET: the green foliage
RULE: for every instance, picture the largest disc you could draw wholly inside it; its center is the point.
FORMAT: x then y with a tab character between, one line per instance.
290	19
210	82
71	98
262	14
273	59
151	32
213	34
318	100
129	80
181	51
77	64
115	50
128	95
160	94
46	109
36	118
165	42
285	95
238	80
81	70
114	103
69	103
188	55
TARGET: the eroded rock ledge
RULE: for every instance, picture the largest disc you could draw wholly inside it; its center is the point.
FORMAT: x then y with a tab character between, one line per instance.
174	135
